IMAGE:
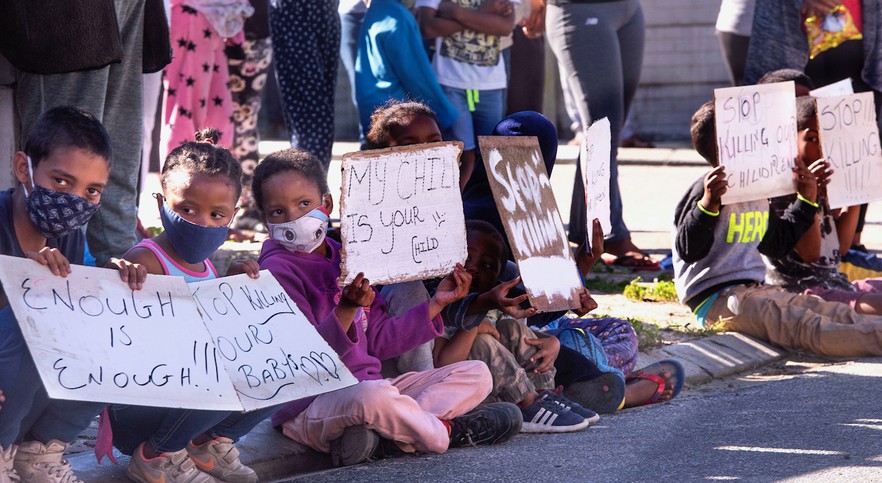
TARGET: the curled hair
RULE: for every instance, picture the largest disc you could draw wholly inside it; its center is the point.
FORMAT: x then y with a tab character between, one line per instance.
66	127
484	228
704	133
296	160
203	157
806	113
388	119
208	135
783	75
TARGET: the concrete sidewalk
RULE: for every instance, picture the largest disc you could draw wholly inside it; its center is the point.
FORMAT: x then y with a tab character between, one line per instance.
274	456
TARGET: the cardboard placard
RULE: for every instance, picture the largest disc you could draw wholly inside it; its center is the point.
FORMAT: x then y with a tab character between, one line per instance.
271	352
526	204
401	215
94	339
756	140
840	88
595	164
850	142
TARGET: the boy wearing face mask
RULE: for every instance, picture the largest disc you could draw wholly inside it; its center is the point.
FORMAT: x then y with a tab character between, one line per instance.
62	173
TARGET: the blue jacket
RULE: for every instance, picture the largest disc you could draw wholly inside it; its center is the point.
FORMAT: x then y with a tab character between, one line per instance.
392	64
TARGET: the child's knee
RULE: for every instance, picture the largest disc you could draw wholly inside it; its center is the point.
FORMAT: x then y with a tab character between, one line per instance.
511	329
479	373
369	397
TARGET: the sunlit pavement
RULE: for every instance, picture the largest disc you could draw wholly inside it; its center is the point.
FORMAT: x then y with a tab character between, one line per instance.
804	420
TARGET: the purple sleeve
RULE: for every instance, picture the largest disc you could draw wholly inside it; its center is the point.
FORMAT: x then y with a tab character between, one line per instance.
327	326
390	336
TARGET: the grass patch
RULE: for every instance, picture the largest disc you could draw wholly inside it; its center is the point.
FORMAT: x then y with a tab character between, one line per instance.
648	335
695	330
656	291
605	286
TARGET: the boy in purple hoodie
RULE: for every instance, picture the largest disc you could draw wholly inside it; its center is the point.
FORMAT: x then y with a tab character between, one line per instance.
420	411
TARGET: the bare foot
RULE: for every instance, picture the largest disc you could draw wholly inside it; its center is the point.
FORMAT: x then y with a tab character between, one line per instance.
625	254
640	391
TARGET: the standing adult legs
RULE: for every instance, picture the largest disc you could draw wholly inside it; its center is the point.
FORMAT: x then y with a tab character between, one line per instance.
111	231
113	95
306	43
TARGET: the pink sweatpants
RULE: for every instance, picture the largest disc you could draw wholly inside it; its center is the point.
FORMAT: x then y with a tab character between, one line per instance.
407	409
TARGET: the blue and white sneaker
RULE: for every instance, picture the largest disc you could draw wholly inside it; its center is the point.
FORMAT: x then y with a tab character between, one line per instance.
573	406
546	415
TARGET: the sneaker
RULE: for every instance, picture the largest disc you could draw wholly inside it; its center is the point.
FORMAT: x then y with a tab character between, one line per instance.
558	397
356	445
36	462
490	424
7	472
546	415
220	459
171	467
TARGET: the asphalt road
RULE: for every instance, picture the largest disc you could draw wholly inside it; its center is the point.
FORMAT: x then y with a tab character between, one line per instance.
803	420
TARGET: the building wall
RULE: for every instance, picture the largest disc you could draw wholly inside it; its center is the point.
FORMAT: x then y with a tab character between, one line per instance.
682	64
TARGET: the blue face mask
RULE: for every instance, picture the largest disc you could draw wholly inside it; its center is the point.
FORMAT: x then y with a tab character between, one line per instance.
194	243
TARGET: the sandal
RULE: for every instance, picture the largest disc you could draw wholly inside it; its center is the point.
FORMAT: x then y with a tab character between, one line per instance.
653	372
637	263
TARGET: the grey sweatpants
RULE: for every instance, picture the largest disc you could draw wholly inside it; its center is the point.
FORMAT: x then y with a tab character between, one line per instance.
599	50
113	95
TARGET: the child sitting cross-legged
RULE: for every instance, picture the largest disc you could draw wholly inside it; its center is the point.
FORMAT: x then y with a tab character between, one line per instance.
425	411
520	360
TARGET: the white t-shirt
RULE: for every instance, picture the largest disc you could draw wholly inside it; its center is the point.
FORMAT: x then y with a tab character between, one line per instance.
467	59
353	6
736	17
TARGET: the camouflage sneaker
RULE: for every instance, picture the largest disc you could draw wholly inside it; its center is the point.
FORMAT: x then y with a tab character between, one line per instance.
220	459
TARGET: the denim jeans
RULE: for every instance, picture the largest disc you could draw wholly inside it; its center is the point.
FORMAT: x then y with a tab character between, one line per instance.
28	410
171	429
469	124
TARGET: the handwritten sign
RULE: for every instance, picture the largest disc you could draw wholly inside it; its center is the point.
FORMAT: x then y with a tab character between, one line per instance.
94	339
268	347
756	140
840	88
529	213
401	215
595	164
850	142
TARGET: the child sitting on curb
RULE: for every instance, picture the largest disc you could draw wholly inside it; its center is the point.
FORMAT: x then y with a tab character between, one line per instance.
812	267
521	361
720	273
420	411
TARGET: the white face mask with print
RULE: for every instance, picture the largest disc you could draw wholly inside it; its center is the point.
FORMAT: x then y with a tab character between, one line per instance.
302	235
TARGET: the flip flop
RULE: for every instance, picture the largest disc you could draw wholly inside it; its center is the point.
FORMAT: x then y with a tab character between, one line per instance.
637	264
605	394
653	372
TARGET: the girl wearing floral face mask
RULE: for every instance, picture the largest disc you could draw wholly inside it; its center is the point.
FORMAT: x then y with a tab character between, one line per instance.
201	183
62	172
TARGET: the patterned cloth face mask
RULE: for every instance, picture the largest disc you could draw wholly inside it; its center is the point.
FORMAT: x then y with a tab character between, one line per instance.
56	213
302	235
